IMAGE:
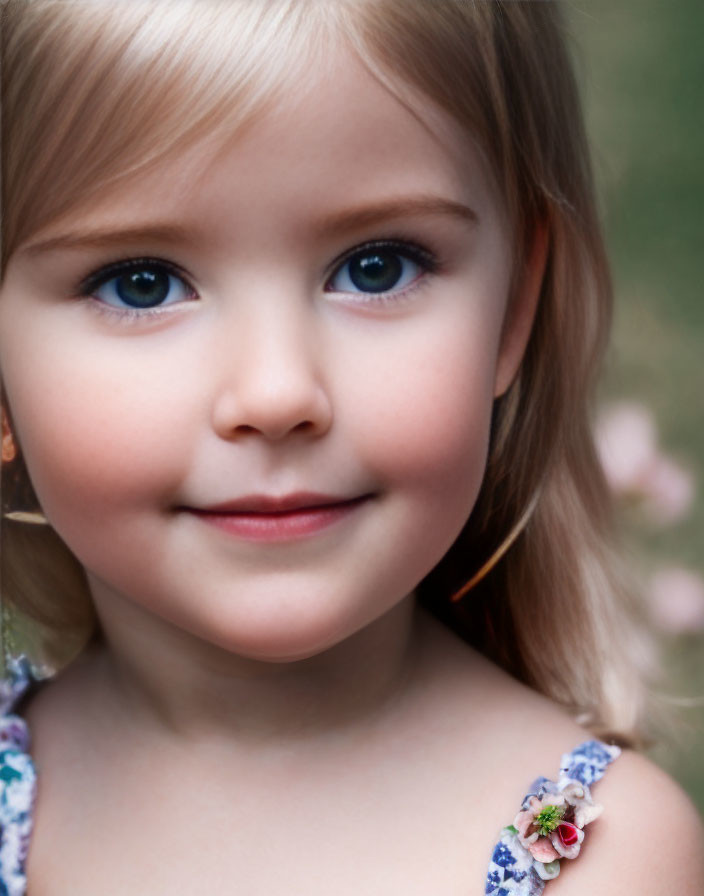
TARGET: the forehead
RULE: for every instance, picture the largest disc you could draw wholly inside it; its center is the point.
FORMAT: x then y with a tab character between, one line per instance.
338	137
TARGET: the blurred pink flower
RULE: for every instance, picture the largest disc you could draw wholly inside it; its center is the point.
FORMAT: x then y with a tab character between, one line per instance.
676	598
626	438
668	490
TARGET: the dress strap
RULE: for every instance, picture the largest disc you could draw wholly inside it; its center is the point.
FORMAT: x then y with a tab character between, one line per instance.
18	783
550	824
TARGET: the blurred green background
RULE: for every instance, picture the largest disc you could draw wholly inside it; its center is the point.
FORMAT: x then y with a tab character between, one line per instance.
641	65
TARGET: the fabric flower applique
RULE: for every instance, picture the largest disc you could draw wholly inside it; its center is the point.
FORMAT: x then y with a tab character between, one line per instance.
550	824
552	828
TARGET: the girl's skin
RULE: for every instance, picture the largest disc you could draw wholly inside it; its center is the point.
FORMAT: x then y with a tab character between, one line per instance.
271	716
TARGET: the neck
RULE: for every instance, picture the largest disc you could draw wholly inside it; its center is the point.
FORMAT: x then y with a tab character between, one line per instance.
164	677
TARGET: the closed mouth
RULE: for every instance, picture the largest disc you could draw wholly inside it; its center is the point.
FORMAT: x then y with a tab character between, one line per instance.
264	518
270	505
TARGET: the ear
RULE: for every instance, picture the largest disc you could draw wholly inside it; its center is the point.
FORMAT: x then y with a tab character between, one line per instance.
521	310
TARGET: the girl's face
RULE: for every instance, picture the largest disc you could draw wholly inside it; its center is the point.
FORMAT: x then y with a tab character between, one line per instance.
313	315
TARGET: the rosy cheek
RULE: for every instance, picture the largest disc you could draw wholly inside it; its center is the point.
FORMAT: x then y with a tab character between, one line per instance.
87	435
431	418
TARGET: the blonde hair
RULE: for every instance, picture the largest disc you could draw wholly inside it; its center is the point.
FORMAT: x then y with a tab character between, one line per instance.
94	93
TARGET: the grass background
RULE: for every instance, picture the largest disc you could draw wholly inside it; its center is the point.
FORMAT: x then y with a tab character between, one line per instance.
641	66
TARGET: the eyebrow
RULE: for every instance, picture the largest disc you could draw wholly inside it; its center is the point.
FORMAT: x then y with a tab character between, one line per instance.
107	237
357	218
340	222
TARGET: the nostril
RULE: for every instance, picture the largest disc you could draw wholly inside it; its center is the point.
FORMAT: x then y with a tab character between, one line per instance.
271	407
304	427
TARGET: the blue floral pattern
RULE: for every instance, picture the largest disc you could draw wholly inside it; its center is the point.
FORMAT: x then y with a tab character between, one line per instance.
513	870
18	783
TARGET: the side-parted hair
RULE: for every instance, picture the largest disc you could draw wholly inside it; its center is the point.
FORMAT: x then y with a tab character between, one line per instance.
96	92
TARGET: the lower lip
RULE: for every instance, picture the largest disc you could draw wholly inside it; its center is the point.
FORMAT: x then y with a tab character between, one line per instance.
280	526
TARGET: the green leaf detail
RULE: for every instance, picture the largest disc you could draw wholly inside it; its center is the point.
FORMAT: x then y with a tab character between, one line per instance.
511	829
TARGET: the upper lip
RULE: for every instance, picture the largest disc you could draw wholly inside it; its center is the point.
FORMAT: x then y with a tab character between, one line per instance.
277	504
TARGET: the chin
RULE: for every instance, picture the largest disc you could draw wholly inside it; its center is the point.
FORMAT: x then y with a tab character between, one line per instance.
279	651
285	641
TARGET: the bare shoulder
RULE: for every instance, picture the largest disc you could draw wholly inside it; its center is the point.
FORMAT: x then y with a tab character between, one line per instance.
649	839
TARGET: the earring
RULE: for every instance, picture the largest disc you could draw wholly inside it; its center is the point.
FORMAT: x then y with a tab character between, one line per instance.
9	449
12	481
499	552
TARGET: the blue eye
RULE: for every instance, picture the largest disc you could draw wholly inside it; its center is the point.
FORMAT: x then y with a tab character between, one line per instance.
381	268
138	284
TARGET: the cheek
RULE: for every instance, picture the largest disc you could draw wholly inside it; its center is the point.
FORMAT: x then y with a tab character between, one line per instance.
92	431
427	410
424	422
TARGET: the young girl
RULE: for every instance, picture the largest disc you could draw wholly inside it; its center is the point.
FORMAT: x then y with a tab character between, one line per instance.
306	572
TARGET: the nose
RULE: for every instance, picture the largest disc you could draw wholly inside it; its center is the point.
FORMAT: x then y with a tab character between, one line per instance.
274	381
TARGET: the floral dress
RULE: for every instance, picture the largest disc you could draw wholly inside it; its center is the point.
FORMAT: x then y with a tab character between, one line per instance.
548	828
17	784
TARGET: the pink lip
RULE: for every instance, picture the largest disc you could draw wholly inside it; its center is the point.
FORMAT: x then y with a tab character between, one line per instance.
266	518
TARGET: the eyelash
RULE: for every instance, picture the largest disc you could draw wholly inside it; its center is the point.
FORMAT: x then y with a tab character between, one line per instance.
425	259
88	287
